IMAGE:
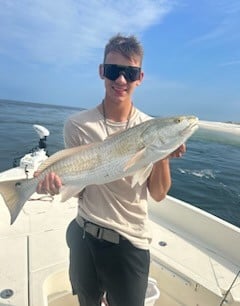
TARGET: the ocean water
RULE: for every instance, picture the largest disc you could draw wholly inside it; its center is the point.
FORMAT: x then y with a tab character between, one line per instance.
208	176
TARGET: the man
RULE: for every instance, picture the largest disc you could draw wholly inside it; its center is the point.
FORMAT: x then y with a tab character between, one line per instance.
109	239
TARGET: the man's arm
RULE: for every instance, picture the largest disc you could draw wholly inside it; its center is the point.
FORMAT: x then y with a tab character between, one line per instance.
159	181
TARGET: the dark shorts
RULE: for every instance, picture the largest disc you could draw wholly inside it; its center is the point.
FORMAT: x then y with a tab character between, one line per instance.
97	266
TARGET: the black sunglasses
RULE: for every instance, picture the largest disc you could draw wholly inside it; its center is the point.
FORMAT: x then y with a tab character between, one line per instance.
130	73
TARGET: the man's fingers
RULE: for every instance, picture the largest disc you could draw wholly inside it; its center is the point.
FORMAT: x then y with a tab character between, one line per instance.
50	184
179	152
41	189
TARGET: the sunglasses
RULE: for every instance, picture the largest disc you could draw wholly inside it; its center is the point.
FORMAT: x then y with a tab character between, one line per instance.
130	73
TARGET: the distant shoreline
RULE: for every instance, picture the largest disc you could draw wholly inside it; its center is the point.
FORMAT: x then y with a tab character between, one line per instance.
229	126
40	104
225	127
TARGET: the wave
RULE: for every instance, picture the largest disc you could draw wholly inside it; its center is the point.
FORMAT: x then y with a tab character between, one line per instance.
203	173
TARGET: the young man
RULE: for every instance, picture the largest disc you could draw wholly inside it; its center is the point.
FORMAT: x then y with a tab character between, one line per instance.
109	239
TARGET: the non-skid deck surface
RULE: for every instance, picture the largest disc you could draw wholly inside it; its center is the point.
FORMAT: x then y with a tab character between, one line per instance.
193	262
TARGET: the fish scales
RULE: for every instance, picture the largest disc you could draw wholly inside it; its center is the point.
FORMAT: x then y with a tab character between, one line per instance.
126	143
120	155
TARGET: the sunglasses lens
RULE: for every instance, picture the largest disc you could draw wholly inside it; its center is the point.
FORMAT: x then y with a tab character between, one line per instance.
133	74
112	72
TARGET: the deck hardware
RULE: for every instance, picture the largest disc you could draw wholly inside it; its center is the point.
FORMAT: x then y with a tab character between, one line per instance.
197	286
162	243
26	171
6	293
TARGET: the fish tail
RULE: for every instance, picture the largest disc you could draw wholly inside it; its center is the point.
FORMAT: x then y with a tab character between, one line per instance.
15	193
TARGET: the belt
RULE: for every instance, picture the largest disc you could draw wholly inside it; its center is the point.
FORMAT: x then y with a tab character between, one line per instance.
99	232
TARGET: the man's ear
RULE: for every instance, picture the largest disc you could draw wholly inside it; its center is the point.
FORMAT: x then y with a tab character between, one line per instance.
101	71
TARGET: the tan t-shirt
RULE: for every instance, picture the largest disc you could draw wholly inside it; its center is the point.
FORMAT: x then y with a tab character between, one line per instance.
115	205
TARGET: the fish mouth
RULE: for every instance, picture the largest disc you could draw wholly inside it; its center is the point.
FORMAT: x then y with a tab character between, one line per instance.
193	126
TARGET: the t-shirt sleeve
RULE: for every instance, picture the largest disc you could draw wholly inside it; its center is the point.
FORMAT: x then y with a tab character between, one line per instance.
71	134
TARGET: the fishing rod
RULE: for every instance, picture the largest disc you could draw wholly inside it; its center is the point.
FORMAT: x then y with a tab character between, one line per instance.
229	289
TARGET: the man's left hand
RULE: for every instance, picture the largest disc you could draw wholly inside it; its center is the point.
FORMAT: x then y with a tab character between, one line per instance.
179	152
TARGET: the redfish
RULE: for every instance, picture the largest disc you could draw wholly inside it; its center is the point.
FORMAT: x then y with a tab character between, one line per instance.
128	153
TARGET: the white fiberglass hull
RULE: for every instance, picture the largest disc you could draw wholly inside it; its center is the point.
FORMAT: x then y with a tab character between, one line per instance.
195	256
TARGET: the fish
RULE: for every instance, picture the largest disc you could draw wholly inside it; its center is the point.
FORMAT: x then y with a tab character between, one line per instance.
131	152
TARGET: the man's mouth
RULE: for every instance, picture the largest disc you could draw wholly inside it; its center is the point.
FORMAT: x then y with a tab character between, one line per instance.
119	90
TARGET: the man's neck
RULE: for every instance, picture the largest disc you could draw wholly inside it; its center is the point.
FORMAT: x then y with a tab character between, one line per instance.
118	112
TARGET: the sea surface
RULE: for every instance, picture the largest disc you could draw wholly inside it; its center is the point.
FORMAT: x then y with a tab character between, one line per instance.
208	176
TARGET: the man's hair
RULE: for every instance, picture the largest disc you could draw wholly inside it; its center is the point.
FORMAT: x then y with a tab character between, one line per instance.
127	46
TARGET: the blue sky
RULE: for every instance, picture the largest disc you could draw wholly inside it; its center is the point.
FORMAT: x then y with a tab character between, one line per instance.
50	51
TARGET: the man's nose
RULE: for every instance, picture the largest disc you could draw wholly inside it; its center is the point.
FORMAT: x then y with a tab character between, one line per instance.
121	78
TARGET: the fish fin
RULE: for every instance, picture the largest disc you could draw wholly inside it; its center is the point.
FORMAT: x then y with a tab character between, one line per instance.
68	191
137	157
141	175
60	155
15	195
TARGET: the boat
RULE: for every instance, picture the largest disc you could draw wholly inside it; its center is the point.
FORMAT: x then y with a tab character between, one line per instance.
24	166
195	256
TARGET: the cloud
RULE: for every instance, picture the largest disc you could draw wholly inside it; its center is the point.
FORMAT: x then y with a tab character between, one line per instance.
225	30
221	21
153	81
70	31
231	63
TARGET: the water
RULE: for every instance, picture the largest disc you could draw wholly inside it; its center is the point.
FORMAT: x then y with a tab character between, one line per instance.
208	176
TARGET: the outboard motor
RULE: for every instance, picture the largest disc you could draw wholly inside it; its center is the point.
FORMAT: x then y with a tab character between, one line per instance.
43	134
31	161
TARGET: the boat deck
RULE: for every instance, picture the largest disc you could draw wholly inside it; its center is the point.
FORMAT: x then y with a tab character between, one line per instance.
34	249
192	264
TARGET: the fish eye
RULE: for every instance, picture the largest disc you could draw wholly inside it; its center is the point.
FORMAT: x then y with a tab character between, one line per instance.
178	120
18	184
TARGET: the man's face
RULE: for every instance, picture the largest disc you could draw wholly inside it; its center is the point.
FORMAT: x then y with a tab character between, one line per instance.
120	89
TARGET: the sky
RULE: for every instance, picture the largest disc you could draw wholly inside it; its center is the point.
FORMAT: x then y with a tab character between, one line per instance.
50	51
